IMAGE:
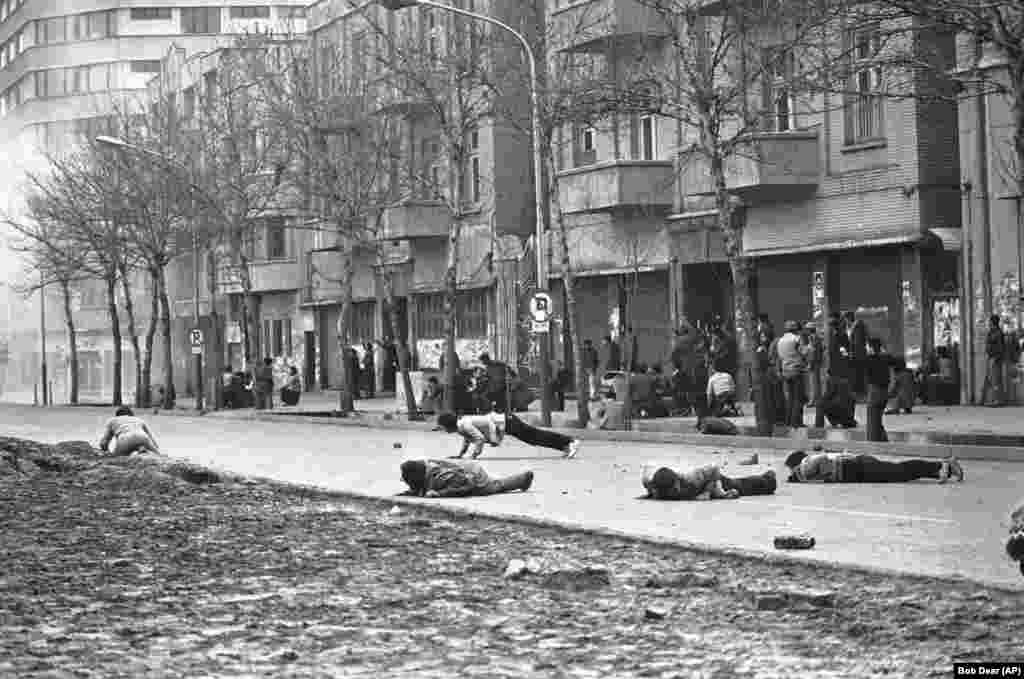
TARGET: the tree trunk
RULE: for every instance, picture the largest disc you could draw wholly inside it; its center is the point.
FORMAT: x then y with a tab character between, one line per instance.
346	396
115	333
165	324
69	319
216	346
451	288
569	285
403	348
250	319
741	268
154	318
133	334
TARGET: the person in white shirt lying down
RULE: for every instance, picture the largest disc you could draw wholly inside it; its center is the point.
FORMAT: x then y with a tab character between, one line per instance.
477	430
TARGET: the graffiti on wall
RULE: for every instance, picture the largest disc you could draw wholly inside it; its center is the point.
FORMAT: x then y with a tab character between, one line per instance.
468	350
1006	300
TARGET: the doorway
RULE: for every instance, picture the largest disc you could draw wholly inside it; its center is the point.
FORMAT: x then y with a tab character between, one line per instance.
309	369
390	367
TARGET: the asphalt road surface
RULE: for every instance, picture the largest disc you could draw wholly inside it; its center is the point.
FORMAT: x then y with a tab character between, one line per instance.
922	527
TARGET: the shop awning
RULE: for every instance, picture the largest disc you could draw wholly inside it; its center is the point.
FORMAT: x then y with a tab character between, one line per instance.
844	245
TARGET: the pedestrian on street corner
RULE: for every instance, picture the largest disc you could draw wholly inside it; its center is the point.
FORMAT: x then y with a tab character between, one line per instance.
477	430
706	482
129	434
995	350
877	368
369	370
844	467
457	478
836	403
793	368
857	334
263	384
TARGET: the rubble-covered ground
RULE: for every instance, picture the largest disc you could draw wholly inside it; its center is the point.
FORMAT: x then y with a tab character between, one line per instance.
123	568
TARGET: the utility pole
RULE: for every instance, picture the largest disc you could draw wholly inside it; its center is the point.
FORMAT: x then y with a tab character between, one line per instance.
42	335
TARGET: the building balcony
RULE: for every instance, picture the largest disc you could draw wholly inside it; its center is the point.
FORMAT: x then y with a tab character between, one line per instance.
771	163
591	25
415	219
402	96
267	276
620	183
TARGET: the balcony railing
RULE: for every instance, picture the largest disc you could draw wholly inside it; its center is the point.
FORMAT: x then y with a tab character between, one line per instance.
771	161
593	24
415	219
621	183
266	276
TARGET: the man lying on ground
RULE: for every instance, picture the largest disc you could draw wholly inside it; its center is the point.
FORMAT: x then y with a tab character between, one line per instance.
848	468
476	430
457	478
663	483
128	433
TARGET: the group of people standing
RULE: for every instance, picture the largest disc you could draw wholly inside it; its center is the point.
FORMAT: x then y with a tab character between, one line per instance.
256	389
854	365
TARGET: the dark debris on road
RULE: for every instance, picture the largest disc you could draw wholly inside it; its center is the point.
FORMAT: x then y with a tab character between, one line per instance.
115	568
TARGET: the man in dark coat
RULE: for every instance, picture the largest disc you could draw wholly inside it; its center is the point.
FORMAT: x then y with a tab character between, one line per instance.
857	331
497	382
995	350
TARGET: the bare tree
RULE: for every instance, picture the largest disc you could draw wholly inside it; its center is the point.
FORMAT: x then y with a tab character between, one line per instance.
242	154
157	201
55	255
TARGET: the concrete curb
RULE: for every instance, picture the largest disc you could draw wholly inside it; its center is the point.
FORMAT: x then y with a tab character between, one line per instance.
770	558
776	443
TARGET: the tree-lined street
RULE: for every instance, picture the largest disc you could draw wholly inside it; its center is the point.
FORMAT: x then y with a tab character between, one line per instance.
922	527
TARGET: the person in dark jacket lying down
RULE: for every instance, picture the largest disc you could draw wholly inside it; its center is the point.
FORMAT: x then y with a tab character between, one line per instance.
664	483
457	478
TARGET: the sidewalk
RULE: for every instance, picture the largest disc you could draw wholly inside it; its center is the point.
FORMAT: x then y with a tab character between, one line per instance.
936	421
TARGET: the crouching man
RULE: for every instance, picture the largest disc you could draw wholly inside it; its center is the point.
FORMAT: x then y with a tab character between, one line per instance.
457	478
707	482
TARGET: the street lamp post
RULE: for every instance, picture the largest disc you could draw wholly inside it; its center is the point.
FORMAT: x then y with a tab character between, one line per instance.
122	145
42	336
538	189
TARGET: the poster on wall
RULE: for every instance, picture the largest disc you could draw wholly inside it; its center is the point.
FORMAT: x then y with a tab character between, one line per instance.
818	296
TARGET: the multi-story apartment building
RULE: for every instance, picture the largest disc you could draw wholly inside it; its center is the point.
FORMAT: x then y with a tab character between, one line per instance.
850	205
497	210
992	217
64	67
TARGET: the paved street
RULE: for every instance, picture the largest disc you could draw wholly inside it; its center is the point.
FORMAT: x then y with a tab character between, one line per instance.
921	527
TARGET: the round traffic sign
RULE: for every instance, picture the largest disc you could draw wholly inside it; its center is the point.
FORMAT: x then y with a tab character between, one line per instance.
540	307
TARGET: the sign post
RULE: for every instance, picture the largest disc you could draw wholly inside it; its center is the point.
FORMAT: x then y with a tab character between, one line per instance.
195	337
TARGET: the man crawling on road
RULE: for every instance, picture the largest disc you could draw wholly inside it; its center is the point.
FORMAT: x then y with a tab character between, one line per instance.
849	468
457	478
707	482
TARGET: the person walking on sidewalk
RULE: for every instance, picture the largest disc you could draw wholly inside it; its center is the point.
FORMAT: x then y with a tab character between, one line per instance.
369	372
857	334
849	468
128	433
477	430
665	483
457	478
995	350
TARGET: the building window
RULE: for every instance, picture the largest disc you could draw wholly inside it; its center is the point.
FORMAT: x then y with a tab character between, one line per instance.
362	321
430	316
864	104
146	66
286	12
644	139
474	179
80	80
777	96
151	13
51	30
471	312
188	103
251	12
276	238
196	20
584	145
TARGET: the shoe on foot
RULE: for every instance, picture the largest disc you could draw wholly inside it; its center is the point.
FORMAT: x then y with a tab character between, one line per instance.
527	482
955	469
573	449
